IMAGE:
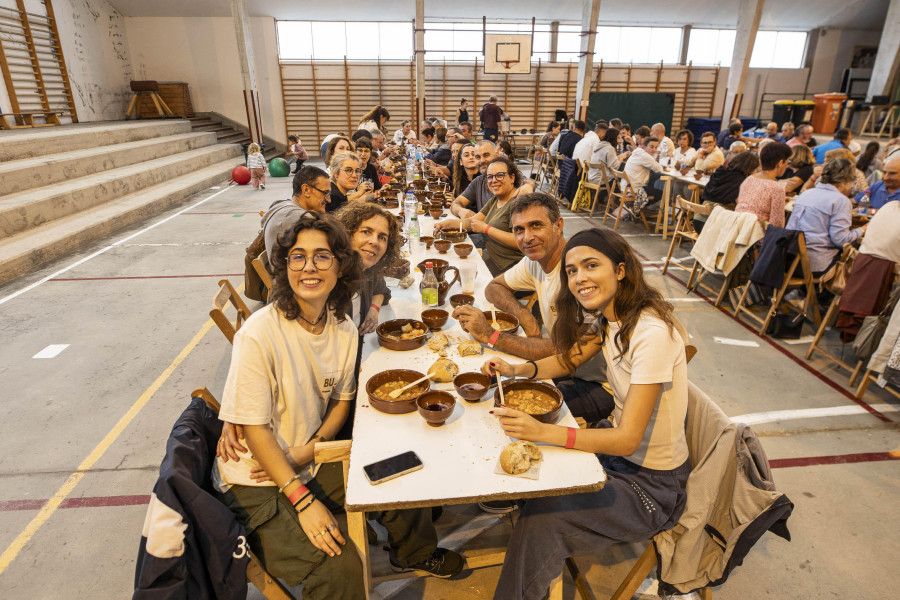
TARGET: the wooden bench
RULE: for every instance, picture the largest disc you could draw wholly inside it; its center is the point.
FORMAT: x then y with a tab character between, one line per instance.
26	119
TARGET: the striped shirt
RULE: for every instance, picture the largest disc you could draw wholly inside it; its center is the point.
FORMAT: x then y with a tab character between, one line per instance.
256	161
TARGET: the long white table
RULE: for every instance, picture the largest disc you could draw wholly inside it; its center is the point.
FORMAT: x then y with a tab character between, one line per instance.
460	456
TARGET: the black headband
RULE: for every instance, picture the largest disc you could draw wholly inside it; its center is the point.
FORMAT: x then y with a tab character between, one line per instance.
596	240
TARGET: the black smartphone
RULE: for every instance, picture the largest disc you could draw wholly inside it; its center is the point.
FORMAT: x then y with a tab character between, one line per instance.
392	467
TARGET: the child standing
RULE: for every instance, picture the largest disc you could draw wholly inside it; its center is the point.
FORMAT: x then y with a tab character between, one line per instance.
296	153
256	162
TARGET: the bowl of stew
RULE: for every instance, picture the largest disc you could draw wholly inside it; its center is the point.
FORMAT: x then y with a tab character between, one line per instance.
379	387
536	398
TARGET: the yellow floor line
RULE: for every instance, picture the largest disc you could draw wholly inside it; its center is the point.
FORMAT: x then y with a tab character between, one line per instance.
66	488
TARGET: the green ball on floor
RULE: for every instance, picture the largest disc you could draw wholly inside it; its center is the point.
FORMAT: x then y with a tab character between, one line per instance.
278	167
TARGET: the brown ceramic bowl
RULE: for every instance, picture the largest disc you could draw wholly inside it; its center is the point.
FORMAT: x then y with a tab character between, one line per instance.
398	271
698	175
435	318
463	381
453	235
436	407
436	213
502	316
392	328
538	386
442	246
463	250
419	184
395	407
391	204
427	240
461	299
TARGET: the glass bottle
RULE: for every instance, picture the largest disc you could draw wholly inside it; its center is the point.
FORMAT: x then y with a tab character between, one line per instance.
429	287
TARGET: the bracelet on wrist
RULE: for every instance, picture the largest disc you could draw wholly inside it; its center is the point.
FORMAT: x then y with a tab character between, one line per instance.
533	364
302	498
376	307
289	482
494	337
297	494
486	229
307	505
570	438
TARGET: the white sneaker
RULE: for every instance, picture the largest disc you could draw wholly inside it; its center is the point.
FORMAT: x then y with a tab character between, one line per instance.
262	186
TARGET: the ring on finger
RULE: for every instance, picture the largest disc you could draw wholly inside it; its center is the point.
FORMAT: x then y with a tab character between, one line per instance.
323	532
314	536
332	527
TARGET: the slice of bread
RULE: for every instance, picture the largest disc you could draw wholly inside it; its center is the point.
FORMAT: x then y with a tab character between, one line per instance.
518	457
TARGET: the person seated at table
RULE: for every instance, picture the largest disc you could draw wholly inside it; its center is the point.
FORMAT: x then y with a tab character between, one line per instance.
724	185
685	154
859	182
640	166
504	148
375	119
720	139
888	189
290	385
869	163
734	135
538	229
800	169
548	138
566	141
824	215
405	132
736	148
642	447
710	156
440	154
338	145
787	132
345	186
842	138
427	141
311	192
477	194
492	221
465	129
465	169
803	135
369	171
772	131
447	171
585	147
640	134
323	148
627	143
882	233
760	194
666	147
605	153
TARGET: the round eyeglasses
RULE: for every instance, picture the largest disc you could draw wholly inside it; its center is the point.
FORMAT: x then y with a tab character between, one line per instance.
320	260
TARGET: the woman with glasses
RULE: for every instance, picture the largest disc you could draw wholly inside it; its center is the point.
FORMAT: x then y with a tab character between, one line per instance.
369	172
344	181
642	447
465	168
291	381
503	179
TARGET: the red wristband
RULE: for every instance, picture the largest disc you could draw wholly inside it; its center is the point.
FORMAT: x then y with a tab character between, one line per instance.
494	337
570	440
297	494
486	229
376	307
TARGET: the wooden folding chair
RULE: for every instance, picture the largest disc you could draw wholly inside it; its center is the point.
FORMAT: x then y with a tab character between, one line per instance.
553	174
260	265
626	196
805	280
583	192
847	259
269	586
227	294
684	229
540	178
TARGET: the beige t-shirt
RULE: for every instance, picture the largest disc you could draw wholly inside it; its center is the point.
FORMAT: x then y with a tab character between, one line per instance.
282	375
655	355
528	275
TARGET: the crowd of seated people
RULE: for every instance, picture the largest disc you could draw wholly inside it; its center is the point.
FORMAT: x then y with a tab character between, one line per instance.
609	341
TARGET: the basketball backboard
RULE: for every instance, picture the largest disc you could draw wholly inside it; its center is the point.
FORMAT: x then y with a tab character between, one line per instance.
507	53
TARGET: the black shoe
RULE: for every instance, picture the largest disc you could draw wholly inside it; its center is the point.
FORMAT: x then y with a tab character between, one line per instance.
442	563
498	507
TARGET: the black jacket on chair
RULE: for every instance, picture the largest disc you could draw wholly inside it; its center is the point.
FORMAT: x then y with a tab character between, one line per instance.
779	247
192	547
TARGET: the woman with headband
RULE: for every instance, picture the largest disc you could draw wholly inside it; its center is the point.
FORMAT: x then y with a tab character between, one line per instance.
642	446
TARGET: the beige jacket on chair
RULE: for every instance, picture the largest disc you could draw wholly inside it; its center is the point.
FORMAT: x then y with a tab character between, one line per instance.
731	502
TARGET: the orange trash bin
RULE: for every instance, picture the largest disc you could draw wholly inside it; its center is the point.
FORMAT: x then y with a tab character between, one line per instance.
827	112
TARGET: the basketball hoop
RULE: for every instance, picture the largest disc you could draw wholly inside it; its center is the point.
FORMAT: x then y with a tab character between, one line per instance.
508	63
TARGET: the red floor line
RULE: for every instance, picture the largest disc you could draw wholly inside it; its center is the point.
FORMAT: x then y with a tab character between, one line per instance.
145	277
89	502
841	459
833	384
217	213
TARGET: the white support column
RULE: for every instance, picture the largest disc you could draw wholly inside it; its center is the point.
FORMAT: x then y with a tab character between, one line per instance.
248	69
887	61
749	14
590	14
420	65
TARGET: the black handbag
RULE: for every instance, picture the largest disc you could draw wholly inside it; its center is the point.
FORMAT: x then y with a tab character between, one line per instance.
785	326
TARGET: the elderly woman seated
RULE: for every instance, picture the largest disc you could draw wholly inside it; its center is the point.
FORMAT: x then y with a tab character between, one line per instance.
824	215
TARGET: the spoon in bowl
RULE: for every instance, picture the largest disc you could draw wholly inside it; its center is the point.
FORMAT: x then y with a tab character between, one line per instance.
396	393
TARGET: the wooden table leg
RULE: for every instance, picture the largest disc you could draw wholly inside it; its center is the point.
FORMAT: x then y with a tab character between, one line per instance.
356	526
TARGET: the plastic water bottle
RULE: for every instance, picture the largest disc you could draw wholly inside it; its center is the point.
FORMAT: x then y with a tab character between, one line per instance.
410	169
863	207
410	208
414	237
429	287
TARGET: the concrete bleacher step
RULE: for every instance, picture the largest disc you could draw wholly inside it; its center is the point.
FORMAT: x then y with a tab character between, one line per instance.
30	173
26	250
30	143
24	210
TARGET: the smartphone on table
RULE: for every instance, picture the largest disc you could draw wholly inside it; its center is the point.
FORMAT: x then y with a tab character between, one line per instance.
393	467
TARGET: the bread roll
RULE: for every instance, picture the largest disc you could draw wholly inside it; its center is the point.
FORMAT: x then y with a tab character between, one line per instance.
438	341
443	370
518	457
470	348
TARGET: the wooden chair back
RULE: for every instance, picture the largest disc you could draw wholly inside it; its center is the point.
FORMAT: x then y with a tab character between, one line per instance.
261	266
227	294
